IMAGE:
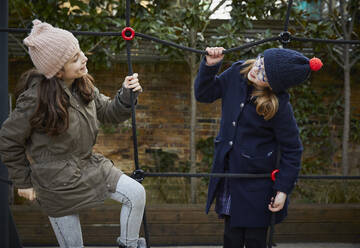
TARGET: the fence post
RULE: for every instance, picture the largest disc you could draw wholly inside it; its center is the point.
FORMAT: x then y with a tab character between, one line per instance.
8	233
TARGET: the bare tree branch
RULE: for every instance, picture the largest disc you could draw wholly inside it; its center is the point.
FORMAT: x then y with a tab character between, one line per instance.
352	22
18	42
329	5
207	9
212	12
216	8
205	26
336	59
113	57
97	44
18	14
352	63
339	52
334	17
207	22
299	23
337	31
343	18
336	28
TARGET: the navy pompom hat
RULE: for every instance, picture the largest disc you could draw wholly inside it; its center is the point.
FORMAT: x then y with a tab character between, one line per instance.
285	68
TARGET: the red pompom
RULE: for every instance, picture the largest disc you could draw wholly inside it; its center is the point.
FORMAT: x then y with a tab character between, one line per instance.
315	64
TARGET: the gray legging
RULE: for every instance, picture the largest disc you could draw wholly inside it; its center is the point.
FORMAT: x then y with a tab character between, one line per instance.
131	194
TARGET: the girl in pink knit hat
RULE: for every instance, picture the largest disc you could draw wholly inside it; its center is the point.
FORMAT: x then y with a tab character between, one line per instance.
48	139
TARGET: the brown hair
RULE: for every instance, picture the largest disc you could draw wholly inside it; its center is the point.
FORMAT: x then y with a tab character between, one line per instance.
51	115
266	101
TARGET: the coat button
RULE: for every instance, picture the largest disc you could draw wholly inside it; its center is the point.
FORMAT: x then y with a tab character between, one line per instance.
241	105
234	123
230	143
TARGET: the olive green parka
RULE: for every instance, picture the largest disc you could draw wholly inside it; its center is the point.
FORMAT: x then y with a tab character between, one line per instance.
64	172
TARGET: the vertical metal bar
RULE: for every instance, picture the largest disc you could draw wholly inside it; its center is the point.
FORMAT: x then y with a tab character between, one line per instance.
9	237
286	24
287	19
4	107
130	72
127	13
133	116
4	100
8	234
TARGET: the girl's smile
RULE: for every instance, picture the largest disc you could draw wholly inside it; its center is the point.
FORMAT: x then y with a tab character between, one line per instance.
74	68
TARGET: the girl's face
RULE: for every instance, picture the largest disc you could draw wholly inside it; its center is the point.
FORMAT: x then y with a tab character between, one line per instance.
257	73
74	68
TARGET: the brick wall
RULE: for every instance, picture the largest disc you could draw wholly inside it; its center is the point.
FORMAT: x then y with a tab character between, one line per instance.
162	113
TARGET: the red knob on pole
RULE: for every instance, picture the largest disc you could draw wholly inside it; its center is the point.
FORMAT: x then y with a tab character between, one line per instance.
273	174
125	32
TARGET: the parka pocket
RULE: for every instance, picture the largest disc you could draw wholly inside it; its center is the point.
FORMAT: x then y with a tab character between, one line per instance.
57	175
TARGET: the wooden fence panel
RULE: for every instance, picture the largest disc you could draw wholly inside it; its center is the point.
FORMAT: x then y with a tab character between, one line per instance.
189	225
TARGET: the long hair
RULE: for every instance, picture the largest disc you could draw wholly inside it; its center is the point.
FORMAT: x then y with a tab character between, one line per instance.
266	101
51	115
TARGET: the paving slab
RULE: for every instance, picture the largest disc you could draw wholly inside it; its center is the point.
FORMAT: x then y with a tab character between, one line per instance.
280	245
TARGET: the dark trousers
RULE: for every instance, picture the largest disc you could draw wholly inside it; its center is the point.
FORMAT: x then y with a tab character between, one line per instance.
239	236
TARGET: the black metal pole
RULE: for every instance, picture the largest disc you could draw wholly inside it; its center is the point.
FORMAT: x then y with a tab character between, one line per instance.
4	100
4	107
133	117
8	234
287	19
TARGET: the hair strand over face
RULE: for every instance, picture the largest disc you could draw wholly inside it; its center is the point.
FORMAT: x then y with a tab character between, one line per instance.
266	101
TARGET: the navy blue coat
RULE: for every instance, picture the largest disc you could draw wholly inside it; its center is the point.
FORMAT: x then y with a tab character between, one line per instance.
251	144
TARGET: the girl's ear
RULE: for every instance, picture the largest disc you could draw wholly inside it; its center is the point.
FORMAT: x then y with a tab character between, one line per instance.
59	74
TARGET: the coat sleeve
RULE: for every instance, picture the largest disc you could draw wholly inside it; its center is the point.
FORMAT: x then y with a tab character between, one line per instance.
208	87
114	110
287	135
14	135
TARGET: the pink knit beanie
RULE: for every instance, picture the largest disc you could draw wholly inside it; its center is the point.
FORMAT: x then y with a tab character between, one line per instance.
50	48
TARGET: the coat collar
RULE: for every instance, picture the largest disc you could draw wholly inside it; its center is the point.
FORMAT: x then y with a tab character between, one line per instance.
74	101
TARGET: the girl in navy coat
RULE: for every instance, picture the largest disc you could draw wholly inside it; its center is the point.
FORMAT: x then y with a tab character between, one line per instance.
257	123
